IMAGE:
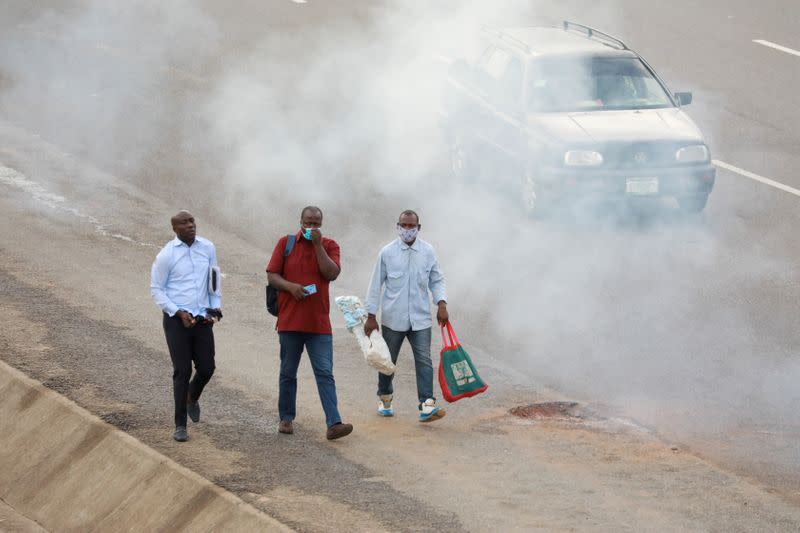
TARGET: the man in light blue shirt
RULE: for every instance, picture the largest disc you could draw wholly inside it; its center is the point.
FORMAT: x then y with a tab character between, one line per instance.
185	284
406	271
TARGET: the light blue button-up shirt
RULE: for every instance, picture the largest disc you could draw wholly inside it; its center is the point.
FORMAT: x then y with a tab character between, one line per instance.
407	273
179	277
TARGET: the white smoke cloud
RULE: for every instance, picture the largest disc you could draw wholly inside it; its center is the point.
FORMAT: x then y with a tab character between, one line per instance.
93	77
605	305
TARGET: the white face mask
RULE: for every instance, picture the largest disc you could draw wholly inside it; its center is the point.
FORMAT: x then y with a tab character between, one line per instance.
407	235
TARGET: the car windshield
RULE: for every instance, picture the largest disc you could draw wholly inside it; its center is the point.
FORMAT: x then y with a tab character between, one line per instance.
596	83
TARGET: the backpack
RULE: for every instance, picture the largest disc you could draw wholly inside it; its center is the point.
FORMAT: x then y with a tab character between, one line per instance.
272	292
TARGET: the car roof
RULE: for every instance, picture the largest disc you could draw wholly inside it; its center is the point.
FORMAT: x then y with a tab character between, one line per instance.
541	41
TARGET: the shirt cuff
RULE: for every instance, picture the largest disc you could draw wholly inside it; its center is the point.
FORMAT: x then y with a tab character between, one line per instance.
171	309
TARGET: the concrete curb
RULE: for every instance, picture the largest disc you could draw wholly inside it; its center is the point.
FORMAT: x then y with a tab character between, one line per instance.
68	470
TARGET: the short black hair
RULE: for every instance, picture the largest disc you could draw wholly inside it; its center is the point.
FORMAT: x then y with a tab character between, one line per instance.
409	212
310	208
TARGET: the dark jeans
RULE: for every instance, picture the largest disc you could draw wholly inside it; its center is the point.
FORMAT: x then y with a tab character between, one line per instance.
320	354
187	345
421	347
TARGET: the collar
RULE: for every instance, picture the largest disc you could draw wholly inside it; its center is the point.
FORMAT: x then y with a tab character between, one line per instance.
177	242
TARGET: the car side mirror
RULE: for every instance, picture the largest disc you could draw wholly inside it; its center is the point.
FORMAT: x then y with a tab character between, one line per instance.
684	98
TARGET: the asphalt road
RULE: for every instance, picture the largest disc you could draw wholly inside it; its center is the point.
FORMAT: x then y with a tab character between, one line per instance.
247	114
744	313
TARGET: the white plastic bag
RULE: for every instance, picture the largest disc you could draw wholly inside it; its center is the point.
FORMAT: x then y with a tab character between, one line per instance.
376	352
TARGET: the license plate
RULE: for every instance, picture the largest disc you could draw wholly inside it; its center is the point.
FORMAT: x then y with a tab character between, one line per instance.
641	186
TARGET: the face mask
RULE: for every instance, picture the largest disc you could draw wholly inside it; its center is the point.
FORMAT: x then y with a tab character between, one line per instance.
307	233
407	235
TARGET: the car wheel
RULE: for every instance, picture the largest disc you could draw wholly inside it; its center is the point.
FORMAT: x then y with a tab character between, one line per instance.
693	204
462	164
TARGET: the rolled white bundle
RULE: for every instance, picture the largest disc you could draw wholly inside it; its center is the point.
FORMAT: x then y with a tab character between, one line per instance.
375	350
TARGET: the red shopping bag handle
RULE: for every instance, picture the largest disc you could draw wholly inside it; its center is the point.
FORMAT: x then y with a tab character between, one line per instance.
449	341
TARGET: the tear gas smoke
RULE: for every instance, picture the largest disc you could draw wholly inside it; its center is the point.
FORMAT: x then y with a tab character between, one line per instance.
644	311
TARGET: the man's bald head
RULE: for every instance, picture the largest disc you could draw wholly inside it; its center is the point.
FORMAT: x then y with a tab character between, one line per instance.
180	215
184	227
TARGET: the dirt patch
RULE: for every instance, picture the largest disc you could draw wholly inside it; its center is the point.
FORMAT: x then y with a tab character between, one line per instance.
570	411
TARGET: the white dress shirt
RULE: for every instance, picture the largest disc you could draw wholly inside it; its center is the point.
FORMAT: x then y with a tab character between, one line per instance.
408	273
179	277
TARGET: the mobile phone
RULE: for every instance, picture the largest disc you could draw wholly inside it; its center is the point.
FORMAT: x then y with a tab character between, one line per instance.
310	289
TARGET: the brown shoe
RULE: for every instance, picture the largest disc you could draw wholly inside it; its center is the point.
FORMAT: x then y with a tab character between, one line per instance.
286	427
337	431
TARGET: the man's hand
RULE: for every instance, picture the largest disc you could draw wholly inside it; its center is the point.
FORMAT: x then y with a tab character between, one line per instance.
186	317
297	291
370	325
213	315
442	316
316	236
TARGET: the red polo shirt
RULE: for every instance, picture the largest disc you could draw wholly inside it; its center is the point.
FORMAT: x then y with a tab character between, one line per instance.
312	313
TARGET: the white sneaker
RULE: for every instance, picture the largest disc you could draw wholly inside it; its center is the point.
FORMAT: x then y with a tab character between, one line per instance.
385	406
430	412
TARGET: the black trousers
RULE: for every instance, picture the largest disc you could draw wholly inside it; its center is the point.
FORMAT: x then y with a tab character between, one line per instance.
187	345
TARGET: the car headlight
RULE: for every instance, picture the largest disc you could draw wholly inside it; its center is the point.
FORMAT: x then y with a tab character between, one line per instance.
583	158
697	153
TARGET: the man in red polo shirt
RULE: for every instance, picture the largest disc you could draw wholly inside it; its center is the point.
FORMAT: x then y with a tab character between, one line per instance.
302	280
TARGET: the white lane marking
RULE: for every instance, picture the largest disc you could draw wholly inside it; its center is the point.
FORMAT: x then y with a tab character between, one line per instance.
299	1
9	176
756	177
777	47
14	178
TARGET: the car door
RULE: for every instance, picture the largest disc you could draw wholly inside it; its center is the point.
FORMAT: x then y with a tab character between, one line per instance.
503	130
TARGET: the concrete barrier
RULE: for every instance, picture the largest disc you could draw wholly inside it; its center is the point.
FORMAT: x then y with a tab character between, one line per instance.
68	470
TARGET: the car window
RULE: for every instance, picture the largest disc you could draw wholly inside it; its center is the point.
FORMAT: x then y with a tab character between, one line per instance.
503	77
594	84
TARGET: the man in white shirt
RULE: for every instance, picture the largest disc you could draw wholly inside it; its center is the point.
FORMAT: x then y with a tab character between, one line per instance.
406	270
184	282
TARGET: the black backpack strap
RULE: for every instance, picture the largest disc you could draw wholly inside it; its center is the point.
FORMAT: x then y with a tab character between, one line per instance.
289	244
272	293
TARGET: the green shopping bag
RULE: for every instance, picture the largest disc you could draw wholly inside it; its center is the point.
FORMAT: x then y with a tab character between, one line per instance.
457	375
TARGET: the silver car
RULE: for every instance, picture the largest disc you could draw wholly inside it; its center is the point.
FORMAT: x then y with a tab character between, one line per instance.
569	111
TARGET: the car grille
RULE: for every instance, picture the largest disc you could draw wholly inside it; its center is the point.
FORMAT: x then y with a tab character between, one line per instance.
640	155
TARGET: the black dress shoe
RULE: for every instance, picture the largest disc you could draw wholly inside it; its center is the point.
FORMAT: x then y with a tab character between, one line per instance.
193	410
180	434
337	431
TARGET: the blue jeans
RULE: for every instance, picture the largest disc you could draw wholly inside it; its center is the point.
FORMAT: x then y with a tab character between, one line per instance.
421	347
320	354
